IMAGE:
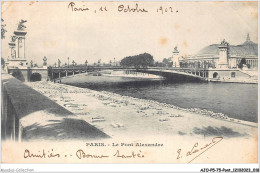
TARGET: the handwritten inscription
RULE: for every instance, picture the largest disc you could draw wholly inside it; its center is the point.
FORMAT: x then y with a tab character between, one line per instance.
196	149
163	10
73	7
81	154
192	153
122	8
40	154
132	155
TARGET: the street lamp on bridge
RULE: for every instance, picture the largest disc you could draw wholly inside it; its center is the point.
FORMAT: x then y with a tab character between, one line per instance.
59	62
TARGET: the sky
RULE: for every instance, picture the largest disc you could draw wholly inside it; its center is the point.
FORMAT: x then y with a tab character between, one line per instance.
56	31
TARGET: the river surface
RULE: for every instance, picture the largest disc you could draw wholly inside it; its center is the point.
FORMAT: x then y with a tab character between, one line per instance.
235	100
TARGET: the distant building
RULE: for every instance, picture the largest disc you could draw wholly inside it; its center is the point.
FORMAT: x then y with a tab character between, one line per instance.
223	56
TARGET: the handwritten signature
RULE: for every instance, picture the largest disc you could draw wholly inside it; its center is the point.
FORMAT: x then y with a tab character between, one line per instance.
196	149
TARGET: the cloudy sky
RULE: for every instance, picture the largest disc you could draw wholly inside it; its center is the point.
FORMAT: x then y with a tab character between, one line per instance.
55	31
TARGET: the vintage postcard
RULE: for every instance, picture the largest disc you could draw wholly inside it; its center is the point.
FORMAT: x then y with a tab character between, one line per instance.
129	82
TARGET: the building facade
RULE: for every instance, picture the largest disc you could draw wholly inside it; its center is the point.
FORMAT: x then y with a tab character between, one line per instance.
223	56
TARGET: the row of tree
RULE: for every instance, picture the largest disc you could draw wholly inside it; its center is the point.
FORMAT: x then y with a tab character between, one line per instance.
144	60
137	61
166	62
3	31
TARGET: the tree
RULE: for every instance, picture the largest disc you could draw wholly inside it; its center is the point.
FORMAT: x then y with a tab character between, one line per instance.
3	30
243	61
181	64
142	60
167	62
159	64
2	62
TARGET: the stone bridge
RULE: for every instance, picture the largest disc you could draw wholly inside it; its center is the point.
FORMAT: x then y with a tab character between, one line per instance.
180	74
27	74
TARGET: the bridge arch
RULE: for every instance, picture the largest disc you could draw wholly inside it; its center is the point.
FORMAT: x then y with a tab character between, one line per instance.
215	75
35	77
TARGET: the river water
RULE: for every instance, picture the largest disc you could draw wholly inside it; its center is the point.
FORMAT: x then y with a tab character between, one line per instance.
235	100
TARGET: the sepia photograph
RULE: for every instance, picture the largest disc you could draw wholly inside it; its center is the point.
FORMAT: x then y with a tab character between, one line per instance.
129	82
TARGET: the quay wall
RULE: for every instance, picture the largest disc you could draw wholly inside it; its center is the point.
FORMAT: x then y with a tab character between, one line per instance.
28	115
227	73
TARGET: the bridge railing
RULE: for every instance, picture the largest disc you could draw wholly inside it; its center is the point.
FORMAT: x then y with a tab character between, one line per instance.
58	72
120	67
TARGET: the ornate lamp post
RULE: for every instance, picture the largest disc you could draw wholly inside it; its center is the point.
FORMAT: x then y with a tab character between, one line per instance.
73	64
59	62
44	61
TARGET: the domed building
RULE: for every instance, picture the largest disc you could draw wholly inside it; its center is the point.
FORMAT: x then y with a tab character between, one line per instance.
223	56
